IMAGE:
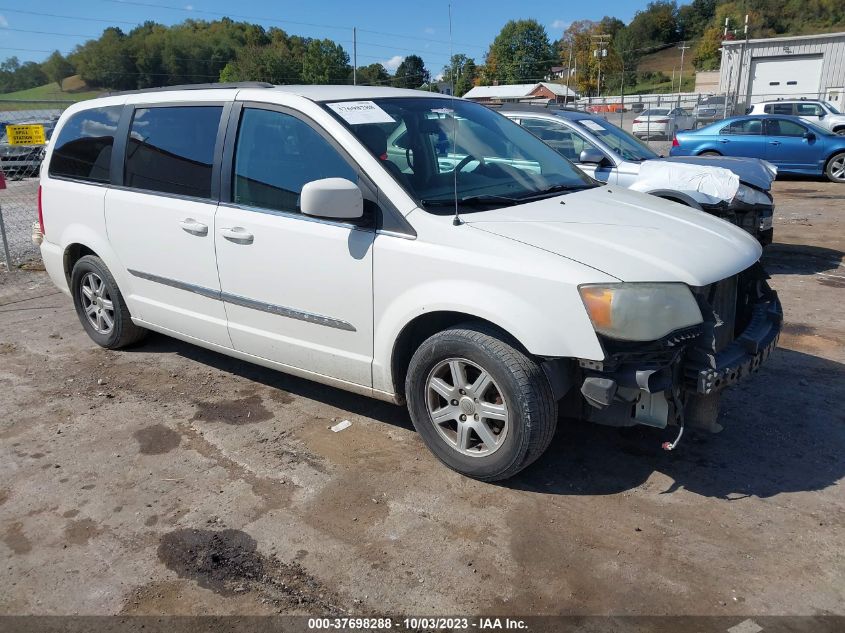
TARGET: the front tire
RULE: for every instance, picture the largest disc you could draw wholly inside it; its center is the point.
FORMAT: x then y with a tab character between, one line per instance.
100	305
481	404
835	168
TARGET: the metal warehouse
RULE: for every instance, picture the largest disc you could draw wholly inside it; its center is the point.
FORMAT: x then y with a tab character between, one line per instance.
810	66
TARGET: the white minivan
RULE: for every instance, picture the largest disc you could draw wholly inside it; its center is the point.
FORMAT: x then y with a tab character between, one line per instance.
405	245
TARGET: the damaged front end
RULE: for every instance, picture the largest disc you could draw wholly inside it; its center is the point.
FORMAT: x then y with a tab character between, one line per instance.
677	380
751	209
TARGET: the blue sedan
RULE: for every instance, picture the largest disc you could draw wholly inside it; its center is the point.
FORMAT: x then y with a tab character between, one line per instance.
794	145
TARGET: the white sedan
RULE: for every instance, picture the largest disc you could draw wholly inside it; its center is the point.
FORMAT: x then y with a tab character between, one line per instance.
662	122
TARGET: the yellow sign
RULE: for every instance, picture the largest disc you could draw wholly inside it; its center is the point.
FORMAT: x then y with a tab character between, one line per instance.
26	134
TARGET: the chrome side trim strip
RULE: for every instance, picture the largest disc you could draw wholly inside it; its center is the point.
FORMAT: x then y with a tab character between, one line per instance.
181	285
299	315
290	313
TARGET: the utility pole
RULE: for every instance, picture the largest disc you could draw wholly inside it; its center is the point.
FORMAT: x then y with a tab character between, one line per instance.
354	56
601	41
568	71
683	48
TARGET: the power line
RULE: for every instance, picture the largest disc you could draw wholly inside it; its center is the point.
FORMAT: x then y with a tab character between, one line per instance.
67	17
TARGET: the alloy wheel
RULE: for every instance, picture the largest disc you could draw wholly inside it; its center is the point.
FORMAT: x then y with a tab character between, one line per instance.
97	303
467	407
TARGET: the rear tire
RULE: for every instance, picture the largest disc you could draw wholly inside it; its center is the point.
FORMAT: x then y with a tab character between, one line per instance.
100	305
835	168
709	153
461	376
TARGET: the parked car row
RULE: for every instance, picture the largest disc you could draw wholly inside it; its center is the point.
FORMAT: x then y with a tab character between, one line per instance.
736	190
416	248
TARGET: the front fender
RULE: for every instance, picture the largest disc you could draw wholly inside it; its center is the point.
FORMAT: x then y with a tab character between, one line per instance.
558	327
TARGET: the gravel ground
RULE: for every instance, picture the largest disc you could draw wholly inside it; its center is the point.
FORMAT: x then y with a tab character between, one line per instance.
166	479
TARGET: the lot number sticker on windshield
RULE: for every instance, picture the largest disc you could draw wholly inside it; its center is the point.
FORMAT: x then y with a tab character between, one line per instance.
26	134
359	112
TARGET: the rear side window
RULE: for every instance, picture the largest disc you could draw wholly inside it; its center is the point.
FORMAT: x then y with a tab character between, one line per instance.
745	126
780	127
778	108
276	155
83	147
171	149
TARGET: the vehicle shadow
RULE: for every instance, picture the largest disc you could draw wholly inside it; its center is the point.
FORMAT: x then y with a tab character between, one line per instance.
800	259
784	432
353	403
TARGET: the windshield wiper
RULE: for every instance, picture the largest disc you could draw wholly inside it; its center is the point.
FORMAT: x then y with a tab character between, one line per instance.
554	190
472	201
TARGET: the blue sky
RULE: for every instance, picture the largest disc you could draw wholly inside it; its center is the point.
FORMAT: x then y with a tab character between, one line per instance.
387	30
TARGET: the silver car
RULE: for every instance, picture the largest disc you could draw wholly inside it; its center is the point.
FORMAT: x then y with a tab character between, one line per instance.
609	154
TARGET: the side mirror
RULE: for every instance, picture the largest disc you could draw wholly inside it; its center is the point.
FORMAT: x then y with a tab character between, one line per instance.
336	198
822	115
810	136
591	156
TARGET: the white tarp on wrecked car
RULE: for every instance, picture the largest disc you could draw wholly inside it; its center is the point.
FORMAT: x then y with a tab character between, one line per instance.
715	182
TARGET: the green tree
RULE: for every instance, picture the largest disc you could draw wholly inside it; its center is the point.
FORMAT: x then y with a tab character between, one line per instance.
57	68
463	71
106	61
521	53
373	75
411	73
324	62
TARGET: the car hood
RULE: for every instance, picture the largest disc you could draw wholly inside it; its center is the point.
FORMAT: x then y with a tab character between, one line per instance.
628	235
751	171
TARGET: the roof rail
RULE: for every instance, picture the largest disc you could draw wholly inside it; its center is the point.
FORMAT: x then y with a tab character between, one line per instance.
212	86
531	106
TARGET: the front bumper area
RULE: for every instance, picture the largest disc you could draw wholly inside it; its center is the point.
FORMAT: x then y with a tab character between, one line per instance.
756	219
710	372
661	382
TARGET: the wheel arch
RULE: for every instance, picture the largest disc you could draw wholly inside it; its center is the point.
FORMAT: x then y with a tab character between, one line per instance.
72	254
708	149
422	327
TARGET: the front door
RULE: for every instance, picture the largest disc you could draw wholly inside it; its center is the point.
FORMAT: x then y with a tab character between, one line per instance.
787	147
297	289
161	221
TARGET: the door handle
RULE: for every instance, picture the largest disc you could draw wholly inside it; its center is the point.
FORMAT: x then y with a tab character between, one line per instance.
238	235
724	140
189	225
774	142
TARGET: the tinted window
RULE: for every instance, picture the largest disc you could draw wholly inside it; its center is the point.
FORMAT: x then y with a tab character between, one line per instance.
171	149
780	127
778	108
744	126
83	148
276	155
808	109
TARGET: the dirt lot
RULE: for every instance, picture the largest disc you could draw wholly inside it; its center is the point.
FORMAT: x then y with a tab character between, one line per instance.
169	479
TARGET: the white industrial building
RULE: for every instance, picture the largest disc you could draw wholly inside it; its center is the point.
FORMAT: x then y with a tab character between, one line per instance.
810	66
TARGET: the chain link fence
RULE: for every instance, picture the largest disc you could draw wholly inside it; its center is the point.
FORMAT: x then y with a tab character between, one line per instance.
21	166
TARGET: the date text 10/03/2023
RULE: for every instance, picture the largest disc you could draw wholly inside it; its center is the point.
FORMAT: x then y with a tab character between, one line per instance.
414	624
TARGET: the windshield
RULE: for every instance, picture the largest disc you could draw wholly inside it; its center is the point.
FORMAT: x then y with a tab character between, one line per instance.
624	144
656	112
441	150
831	108
818	129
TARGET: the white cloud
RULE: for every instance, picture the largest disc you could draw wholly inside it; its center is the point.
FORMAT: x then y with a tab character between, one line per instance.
561	24
3	21
429	30
438	77
393	63
189	7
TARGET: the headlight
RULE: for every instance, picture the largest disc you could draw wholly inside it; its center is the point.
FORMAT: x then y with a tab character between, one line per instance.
640	311
752	196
